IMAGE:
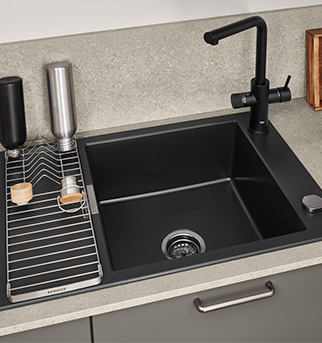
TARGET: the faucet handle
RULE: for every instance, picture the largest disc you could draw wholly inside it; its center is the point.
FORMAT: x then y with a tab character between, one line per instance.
280	94
288	79
245	99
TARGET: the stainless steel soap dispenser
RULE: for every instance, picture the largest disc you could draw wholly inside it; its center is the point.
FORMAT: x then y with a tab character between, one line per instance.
62	107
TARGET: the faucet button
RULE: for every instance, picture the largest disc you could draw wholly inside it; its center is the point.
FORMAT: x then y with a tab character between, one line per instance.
239	100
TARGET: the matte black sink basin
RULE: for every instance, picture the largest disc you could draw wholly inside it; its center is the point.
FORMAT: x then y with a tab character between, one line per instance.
240	192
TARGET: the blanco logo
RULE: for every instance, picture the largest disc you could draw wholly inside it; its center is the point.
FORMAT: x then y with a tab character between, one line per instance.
57	290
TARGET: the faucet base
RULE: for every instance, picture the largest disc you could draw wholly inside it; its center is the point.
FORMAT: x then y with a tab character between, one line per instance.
257	132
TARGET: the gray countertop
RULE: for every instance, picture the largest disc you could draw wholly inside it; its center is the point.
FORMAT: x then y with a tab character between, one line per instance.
301	127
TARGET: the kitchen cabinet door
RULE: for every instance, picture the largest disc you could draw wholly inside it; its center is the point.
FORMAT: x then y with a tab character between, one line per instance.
293	314
69	332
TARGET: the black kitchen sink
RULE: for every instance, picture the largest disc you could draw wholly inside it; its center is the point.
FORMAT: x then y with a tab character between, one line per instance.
181	196
241	193
208	179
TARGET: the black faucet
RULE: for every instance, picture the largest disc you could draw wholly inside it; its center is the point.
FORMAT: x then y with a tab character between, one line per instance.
260	95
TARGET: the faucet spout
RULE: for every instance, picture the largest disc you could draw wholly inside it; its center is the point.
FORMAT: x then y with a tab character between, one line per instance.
213	37
260	95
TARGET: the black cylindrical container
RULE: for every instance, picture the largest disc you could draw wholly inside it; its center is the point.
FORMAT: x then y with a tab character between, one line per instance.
12	115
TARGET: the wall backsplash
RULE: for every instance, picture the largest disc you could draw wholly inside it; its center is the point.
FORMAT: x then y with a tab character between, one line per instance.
155	72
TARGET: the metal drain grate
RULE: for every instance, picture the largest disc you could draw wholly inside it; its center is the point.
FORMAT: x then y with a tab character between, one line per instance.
181	243
49	250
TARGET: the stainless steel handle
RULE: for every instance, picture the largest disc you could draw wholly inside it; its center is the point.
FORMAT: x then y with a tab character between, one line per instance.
239	301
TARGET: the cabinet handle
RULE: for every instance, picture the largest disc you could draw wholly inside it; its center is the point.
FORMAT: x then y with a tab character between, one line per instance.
234	302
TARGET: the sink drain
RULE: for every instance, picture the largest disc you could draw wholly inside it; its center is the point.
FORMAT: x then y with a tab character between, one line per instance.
182	243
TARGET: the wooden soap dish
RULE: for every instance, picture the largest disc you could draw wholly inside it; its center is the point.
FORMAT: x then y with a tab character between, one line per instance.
314	68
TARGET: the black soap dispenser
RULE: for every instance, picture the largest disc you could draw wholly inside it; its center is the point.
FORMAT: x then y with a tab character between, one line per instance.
12	115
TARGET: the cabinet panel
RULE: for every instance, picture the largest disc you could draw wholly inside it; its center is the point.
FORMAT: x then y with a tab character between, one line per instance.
291	315
74	331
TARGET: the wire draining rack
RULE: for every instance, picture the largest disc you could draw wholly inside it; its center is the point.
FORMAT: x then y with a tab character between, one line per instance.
51	247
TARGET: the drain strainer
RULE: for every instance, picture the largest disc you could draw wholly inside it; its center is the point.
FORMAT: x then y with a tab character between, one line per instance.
182	243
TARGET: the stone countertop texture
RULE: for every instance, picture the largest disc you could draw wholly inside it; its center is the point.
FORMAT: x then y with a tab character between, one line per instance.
153	75
301	127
